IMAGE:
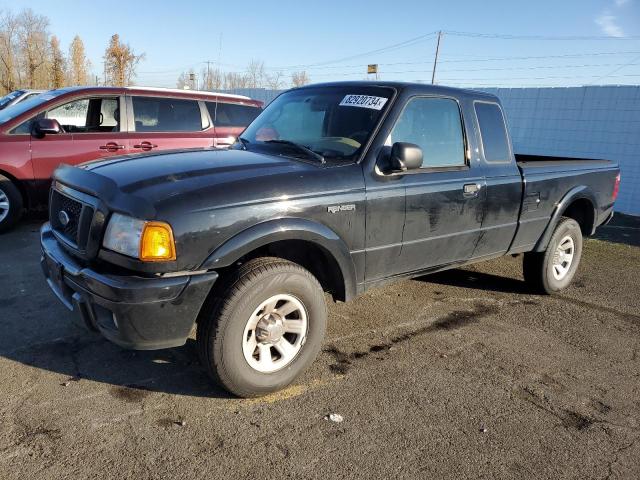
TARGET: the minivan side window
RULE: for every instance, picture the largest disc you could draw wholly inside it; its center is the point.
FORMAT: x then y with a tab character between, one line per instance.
88	115
495	142
155	114
434	124
232	114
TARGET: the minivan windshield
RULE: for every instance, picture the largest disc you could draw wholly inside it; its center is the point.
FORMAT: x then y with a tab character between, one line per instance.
332	123
19	108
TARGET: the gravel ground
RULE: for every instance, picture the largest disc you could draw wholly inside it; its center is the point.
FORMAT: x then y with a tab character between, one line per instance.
463	374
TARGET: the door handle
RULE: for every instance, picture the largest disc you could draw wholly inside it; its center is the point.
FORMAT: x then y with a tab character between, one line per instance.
471	189
111	147
145	145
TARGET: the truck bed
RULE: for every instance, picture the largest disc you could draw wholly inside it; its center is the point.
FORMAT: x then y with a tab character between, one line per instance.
571	163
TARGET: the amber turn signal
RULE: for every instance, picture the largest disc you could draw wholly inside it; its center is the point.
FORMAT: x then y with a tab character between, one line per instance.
156	243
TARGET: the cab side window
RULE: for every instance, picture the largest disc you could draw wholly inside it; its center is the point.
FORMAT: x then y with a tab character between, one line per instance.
88	115
493	130
435	125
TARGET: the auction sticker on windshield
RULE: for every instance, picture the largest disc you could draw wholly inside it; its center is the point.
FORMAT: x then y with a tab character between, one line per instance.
364	101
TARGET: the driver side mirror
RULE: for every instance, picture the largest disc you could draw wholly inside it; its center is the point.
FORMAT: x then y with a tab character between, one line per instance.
405	156
46	126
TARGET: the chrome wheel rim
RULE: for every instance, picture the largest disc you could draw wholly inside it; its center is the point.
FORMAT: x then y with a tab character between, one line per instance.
563	258
4	206
275	333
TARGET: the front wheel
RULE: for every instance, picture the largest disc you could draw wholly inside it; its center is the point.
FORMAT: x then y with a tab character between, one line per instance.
264	327
553	270
10	204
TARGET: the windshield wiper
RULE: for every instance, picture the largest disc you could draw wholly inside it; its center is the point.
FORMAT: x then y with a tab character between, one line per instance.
301	148
244	142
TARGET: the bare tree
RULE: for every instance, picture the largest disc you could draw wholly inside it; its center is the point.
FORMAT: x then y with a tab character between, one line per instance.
235	80
33	42
57	64
120	62
298	79
183	81
255	74
79	65
213	79
275	81
9	68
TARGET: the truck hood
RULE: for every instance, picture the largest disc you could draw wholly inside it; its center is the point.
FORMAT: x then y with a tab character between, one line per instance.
169	173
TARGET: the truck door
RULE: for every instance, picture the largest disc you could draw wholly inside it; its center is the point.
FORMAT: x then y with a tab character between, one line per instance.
504	182
443	200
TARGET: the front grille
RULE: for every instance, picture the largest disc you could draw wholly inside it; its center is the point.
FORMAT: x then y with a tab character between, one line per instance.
70	218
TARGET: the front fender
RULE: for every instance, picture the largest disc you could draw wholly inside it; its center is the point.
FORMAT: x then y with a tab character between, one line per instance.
286	229
576	193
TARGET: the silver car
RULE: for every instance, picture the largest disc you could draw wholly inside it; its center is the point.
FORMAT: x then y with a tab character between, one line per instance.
17	96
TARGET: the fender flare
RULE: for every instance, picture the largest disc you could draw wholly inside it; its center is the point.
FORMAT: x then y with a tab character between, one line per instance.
580	192
286	229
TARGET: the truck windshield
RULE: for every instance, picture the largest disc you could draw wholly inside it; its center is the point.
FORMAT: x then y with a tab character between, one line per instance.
332	122
19	108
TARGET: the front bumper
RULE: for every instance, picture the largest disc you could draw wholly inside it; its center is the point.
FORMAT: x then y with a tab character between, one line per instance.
140	313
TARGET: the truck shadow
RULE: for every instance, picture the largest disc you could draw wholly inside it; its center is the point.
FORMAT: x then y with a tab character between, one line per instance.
37	331
477	281
131	374
623	229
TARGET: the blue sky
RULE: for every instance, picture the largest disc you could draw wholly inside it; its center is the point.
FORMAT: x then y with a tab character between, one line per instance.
288	35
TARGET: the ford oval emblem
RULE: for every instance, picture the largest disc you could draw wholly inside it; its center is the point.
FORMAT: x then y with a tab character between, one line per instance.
63	217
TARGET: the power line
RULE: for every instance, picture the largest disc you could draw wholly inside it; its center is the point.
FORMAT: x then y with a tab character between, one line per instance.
532	78
397	72
620	67
386	49
502	36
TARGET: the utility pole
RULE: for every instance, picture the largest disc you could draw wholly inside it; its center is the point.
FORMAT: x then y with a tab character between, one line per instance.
435	60
208	85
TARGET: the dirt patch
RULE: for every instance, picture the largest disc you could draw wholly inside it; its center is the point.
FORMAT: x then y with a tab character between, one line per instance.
129	394
452	321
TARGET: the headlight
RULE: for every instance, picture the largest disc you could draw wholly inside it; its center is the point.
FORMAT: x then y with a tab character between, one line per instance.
148	241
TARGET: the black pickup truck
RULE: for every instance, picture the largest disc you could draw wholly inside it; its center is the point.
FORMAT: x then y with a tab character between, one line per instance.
334	188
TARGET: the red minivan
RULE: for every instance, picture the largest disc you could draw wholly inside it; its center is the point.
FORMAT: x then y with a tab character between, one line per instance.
79	124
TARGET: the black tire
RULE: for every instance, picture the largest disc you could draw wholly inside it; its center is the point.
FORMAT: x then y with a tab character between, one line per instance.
222	322
8	191
538	267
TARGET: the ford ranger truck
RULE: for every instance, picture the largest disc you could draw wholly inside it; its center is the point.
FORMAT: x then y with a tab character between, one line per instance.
335	188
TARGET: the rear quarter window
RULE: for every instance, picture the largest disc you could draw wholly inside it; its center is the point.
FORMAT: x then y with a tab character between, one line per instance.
493	130
232	114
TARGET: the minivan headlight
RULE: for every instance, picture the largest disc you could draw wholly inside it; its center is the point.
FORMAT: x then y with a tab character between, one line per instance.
147	241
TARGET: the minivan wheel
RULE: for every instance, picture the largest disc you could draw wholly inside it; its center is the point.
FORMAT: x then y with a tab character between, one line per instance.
263	327
10	204
553	270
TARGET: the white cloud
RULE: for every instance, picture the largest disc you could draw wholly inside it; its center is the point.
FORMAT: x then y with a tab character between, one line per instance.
621	3
609	26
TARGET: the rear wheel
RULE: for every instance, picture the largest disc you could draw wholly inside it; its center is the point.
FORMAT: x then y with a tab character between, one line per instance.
10	204
553	270
265	327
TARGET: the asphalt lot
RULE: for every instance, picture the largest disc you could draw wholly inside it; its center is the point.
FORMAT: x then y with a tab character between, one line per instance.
463	374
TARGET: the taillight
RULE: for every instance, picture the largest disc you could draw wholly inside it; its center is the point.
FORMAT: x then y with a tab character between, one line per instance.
616	188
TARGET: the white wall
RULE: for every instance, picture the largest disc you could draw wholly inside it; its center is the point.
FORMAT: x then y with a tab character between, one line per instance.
590	122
